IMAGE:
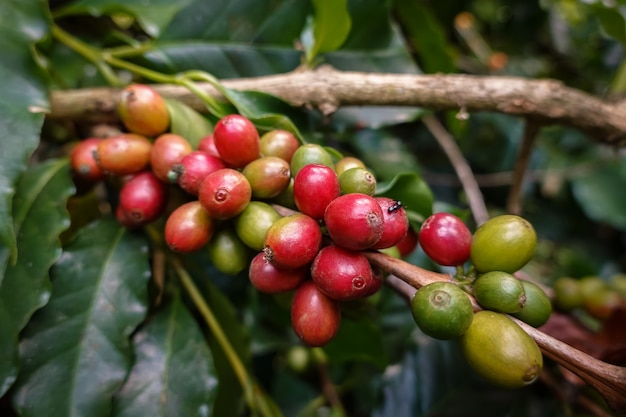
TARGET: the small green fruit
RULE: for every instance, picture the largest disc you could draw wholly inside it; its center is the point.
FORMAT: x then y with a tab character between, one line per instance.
499	291
310	153
253	222
567	294
538	307
357	180
227	252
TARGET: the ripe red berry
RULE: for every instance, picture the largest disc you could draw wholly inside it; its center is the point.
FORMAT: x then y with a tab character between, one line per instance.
124	154
341	274
193	169
396	223
224	193
407	245
292	241
207	144
354	221
167	150
236	140
143	110
445	239
83	162
314	187
142	198
269	279
315	318
188	228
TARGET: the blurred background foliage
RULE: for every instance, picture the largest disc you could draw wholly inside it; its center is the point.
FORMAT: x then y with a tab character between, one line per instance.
573	194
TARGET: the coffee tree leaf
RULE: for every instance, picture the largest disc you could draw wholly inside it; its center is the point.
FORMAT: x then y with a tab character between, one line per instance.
39	218
76	351
612	21
357	340
23	102
187	122
152	15
412	191
173	374
330	27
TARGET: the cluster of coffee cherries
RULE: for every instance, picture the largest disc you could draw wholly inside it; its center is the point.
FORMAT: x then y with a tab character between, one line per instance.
597	297
296	215
486	262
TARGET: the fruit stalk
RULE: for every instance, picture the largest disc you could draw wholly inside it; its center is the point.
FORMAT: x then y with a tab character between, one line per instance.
609	380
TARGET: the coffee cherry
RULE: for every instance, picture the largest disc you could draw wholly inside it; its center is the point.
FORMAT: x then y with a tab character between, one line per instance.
236	140
503	243
315	318
357	180
224	193
311	153
207	145
538	307
603	303
396	223
188	228
499	291
408	244
124	154
83	163
567	294
167	150
279	143
354	221
341	274
346	163
293	241
442	310
143	110
269	279
142	198
445	239
499	350
254	222
227	252
314	187
268	176
193	169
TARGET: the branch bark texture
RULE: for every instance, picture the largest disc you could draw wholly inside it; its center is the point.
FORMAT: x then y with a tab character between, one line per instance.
548	101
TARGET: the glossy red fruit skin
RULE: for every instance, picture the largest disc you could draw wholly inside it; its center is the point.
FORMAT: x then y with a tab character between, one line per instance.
396	223
314	187
446	239
342	274
207	144
315	318
143	110
83	163
267	278
193	169
188	228
236	140
354	221
167	150
142	198
224	193
410	242
123	154
293	241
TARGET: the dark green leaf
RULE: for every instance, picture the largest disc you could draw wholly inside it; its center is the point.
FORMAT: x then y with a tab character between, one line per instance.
187	122
331	26
75	351
152	15
174	374
23	102
358	340
612	22
412	191
40	216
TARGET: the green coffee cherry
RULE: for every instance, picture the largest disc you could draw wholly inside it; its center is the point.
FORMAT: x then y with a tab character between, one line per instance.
499	291
538	307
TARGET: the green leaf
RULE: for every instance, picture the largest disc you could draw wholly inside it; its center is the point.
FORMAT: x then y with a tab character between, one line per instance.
76	351
23	101
414	193
173	374
152	15
331	26
357	340
40	217
612	22
187	122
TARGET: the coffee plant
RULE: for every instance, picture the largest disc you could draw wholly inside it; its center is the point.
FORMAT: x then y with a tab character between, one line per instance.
312	207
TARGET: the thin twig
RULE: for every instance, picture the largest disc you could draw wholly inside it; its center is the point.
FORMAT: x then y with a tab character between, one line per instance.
462	168
514	200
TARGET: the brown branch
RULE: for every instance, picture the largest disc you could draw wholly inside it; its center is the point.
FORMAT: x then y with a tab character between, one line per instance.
549	101
514	200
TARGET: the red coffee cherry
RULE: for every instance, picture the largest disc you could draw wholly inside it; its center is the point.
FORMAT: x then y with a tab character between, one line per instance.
315	318
167	150
396	223
142	199
207	144
143	110
445	239
269	279
407	245
341	274
193	169
292	241
354	221
188	228
279	143
83	162
314	187
224	193
236	140
124	154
